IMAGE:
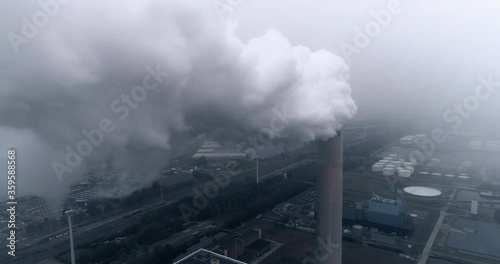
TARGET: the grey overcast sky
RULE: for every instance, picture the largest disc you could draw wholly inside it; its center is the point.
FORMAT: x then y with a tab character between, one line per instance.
65	64
426	59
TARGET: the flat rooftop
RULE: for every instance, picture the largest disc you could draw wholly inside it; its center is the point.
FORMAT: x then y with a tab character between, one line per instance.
477	238
203	256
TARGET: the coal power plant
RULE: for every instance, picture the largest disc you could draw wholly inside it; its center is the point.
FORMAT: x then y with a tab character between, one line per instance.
250	132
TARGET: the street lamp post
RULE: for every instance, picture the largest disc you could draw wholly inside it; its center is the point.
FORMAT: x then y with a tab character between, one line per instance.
69	213
257	170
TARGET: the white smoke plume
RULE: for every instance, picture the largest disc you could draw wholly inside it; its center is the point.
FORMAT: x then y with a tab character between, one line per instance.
91	53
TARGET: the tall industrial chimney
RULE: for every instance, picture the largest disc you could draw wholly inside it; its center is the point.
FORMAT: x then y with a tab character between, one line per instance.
330	200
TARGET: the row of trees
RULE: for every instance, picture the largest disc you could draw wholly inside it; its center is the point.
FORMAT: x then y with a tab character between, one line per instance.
234	205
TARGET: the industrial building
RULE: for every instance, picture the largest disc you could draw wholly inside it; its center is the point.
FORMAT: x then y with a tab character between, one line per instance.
203	256
236	246
213	151
352	211
385	211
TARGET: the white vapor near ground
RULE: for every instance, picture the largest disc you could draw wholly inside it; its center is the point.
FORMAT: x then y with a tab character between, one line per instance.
88	61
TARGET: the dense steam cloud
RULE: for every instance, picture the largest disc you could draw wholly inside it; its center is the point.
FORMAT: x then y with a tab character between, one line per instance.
140	72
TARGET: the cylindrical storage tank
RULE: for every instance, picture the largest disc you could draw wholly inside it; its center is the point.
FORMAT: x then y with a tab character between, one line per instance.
357	231
388	171
377	168
388	158
420	136
404	173
413	218
395	162
411	169
463	177
424	173
407	164
491	146
476	145
384	161
390	166
437	174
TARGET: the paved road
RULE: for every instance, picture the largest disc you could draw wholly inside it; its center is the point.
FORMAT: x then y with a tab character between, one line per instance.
427	249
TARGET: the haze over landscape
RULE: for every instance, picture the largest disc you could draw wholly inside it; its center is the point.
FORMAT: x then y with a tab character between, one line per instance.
120	111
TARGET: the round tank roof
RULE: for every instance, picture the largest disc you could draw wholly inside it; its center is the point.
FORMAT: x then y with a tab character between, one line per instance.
422	191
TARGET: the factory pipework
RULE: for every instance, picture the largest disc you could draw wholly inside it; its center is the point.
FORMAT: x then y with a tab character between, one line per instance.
330	185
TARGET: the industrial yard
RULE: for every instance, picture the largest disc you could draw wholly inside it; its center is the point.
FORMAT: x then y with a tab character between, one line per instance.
396	208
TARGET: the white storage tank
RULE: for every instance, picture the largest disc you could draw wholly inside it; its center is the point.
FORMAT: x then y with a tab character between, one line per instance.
389	171
388	158
377	168
463	176
476	145
420	136
407	140
397	163
404	173
357	231
492	146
